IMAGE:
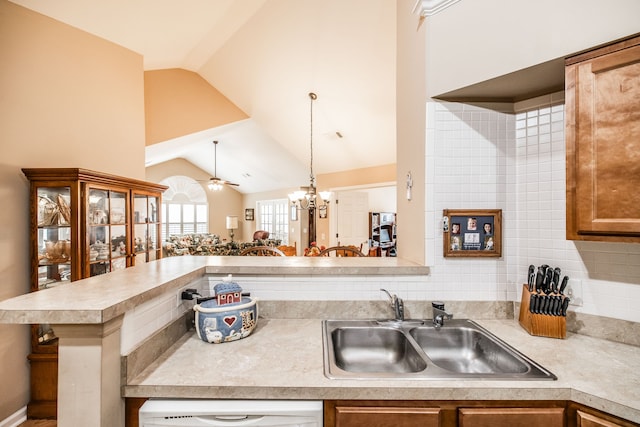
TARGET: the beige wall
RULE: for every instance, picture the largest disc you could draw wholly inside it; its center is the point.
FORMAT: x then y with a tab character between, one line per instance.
473	41
180	102
410	131
68	99
221	203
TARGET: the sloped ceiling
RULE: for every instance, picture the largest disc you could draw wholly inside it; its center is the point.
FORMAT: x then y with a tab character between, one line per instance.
265	56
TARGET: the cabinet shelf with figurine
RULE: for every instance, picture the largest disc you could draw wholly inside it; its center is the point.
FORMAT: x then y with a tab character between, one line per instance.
83	223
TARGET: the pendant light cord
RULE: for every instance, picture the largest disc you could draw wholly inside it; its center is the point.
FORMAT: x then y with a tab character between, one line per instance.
313	97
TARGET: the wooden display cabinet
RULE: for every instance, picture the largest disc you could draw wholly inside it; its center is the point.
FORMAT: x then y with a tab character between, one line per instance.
602	108
83	223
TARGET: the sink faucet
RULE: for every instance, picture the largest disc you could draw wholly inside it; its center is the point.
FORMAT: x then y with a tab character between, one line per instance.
439	313
397	304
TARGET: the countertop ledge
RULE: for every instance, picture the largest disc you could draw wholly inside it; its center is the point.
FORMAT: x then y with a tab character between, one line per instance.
283	359
102	298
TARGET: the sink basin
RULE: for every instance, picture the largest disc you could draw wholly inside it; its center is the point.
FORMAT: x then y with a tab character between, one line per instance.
364	349
466	350
461	349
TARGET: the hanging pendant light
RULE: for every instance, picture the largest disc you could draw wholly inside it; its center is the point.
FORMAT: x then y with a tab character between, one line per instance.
307	197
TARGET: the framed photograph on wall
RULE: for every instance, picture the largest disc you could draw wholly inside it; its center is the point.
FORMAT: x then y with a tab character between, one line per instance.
322	212
248	215
472	233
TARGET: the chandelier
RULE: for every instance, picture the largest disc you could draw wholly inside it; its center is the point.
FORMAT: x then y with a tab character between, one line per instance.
307	197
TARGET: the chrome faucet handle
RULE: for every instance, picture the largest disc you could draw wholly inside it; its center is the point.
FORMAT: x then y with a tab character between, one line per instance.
439	313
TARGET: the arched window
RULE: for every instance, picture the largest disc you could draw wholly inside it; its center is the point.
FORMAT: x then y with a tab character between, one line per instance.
184	207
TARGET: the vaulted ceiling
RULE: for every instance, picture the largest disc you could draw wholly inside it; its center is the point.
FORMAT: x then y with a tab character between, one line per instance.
265	56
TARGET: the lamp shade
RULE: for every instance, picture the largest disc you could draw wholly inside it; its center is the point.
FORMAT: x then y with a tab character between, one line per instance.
232	222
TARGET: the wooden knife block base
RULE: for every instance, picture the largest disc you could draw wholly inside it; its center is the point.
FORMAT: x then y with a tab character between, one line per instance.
542	325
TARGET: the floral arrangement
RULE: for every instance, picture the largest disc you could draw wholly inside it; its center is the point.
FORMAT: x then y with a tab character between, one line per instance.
313	249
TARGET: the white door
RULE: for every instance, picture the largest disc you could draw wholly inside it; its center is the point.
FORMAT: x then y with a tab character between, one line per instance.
352	218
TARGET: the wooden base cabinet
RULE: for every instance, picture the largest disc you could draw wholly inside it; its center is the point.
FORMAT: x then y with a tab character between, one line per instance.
444	413
462	413
602	116
379	416
583	416
82	223
512	417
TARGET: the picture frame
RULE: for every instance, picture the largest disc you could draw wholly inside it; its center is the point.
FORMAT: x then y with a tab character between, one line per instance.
294	213
249	215
472	233
322	212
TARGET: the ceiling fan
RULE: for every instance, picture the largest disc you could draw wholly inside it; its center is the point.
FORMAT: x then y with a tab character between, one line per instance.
215	183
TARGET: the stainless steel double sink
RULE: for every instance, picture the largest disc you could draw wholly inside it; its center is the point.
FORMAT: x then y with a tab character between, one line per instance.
416	349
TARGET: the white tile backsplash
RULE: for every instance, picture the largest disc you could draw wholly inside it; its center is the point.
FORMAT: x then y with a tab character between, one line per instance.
516	162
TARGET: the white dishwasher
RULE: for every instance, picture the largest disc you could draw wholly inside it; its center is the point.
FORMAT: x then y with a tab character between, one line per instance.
230	413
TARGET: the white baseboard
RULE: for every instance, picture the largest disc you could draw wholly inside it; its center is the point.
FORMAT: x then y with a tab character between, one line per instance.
15	419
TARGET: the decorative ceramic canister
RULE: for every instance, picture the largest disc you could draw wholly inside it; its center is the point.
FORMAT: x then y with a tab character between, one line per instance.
227	317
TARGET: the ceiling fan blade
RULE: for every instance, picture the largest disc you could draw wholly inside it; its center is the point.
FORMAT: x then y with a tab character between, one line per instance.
216	180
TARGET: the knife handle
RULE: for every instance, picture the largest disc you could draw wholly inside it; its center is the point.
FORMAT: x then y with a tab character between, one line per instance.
565	305
556	276
539	279
565	281
532	302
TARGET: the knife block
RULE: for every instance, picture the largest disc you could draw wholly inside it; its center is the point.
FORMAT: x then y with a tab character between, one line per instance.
542	325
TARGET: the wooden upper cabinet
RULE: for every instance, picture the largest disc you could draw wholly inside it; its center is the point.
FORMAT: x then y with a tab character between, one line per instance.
603	143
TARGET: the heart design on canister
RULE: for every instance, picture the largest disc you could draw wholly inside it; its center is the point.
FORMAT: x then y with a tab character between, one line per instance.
230	320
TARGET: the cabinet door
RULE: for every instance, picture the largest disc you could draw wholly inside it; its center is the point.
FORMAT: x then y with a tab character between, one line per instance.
53	250
603	143
595	418
108	231
146	227
512	417
377	416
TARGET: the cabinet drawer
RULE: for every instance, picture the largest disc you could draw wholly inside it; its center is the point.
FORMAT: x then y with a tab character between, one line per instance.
388	416
512	417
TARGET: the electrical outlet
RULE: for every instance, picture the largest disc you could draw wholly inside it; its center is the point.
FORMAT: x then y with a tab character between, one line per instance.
179	300
574	291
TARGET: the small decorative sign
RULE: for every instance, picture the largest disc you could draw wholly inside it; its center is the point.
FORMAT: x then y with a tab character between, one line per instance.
472	233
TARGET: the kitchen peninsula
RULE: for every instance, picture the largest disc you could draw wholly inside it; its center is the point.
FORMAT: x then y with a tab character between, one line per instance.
282	359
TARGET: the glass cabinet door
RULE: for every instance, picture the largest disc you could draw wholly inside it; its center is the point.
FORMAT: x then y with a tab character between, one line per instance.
53	245
146	227
107	229
54	236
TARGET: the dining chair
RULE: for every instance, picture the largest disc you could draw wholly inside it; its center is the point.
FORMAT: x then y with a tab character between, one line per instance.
288	250
341	251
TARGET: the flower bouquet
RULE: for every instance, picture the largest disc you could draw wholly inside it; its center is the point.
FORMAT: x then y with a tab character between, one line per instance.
313	249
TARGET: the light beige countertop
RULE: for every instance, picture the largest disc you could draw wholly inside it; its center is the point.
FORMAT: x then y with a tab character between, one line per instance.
283	359
101	298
